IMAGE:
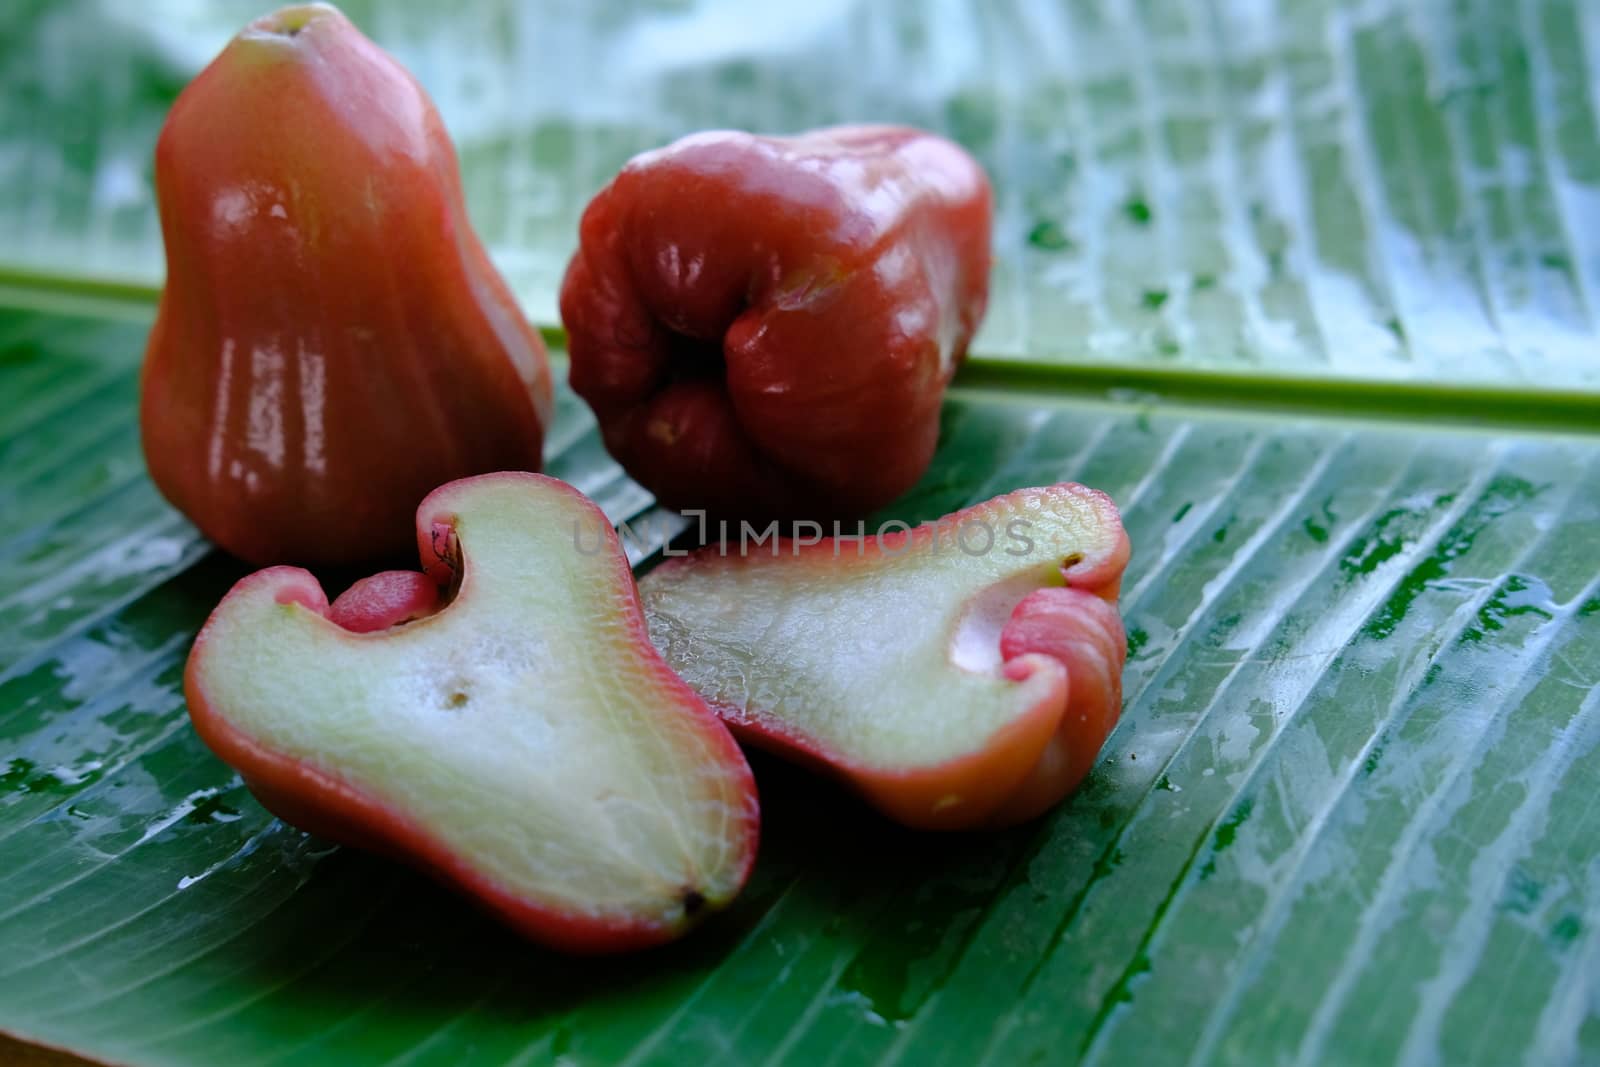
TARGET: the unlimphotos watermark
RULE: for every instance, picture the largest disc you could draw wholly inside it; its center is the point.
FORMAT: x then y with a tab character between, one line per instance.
969	536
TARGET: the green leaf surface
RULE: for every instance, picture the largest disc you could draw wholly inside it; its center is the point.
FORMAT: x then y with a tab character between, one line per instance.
1309	286
1379	190
1348	815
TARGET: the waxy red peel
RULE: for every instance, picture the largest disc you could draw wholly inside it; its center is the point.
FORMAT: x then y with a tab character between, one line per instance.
332	342
765	326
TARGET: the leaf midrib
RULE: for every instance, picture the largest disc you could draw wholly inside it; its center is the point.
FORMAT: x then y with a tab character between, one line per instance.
1490	407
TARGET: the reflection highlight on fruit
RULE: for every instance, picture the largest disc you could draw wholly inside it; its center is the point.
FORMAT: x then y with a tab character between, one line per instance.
332	342
765	326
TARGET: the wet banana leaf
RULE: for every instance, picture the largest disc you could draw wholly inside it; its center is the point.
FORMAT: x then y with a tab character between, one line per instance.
1349	812
1375	189
1306	286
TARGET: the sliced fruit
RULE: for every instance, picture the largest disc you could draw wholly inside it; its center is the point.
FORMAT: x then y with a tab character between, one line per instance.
962	674
524	743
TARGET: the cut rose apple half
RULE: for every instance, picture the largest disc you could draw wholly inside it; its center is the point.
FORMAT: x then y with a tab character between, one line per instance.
961	674
525	743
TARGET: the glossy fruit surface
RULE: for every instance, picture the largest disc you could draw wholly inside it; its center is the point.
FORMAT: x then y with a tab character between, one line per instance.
332	342
765	326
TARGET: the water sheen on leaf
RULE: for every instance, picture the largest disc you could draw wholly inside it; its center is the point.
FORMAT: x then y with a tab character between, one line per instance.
1376	190
1348	816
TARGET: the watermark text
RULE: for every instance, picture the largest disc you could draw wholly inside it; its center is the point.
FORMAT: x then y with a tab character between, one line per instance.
969	536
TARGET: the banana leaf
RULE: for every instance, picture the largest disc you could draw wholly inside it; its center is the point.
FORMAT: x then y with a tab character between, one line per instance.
1306	285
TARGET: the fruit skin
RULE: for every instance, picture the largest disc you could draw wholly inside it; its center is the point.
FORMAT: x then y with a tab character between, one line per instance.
1083	632
385	599
332	342
1068	640
765	326
322	803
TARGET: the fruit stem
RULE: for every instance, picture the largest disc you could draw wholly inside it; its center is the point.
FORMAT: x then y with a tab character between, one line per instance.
693	901
289	21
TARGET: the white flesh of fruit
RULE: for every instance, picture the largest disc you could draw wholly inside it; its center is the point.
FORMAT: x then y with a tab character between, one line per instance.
519	725
890	662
